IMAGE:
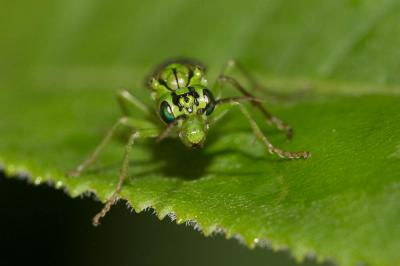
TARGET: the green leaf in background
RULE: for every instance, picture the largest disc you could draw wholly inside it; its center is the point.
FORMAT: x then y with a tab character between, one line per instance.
62	61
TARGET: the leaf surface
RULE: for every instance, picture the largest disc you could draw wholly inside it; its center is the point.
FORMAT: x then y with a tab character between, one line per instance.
333	66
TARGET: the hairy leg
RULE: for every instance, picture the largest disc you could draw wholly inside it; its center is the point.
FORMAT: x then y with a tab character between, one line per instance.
127	102
123	121
224	105
148	133
232	64
94	155
166	132
260	135
130	104
271	119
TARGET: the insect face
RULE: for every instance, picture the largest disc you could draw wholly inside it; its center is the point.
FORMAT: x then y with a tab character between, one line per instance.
193	100
188	108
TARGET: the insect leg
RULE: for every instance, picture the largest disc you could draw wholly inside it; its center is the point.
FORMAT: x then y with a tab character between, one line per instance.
93	157
271	119
126	100
261	136
124	171
233	64
166	132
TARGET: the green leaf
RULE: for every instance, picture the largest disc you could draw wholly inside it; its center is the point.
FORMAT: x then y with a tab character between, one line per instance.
57	99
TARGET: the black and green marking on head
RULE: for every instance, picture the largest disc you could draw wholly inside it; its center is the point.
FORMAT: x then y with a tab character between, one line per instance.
182	97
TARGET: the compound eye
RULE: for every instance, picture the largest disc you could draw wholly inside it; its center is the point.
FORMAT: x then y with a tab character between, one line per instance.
210	101
166	112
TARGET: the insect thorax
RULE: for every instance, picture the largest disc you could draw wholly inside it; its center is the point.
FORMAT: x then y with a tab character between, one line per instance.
181	90
176	76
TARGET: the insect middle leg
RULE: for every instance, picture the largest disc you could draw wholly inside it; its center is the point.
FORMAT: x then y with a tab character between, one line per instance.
234	64
225	105
271	119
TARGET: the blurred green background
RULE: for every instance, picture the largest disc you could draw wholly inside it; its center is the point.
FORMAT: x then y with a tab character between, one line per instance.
89	44
346	40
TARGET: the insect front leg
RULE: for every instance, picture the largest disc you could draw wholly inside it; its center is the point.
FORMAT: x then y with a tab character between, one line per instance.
94	155
270	119
123	121
166	132
226	105
129	104
147	133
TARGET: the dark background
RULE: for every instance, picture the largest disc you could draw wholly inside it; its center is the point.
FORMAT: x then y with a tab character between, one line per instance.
43	226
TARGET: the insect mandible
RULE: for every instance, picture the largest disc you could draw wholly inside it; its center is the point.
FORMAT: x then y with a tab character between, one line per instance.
187	107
